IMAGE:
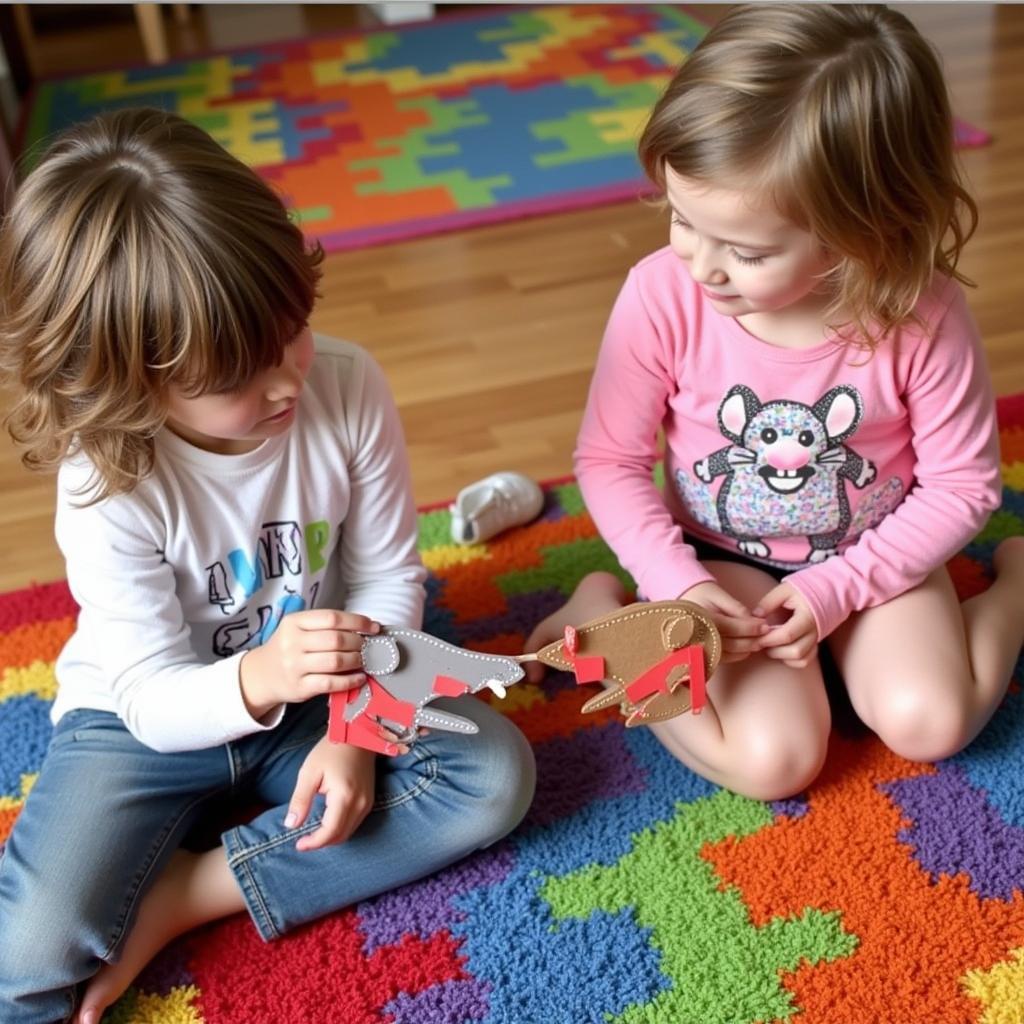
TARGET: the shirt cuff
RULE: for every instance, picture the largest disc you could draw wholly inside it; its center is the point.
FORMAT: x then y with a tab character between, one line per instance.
673	576
237	720
821	600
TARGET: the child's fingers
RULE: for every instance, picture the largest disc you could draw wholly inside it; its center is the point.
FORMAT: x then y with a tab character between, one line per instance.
723	603
775	600
306	786
787	633
331	618
742	646
740	626
313	685
796	655
392	737
795	662
317	640
329	831
332	662
344	812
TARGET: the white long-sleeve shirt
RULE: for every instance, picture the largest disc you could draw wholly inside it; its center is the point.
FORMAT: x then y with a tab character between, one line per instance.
177	579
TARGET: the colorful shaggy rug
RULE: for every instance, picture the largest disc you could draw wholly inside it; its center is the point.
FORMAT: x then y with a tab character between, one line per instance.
375	136
889	893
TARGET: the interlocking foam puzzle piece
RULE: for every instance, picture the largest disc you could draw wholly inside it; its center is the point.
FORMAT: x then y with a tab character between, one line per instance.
314	975
655	655
999	990
724	969
845	853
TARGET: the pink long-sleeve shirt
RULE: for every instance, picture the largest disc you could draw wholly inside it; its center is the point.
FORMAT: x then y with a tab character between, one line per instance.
859	474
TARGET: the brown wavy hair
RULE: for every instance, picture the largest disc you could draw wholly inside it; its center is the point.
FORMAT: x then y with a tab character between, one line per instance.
839	116
139	253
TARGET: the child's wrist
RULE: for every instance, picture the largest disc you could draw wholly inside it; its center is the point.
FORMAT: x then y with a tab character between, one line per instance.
251	682
693	592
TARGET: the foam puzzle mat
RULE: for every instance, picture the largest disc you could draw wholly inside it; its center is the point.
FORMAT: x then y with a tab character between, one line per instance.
380	135
635	891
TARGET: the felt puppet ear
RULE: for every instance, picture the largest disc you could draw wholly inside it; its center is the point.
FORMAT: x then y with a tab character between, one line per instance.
676	632
380	655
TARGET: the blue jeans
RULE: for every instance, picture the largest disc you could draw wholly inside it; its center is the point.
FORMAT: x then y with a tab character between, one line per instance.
106	813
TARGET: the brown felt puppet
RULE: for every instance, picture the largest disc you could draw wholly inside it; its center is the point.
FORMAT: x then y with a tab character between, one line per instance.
654	657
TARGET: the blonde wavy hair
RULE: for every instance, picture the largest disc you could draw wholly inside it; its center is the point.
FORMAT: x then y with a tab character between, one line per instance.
139	254
838	116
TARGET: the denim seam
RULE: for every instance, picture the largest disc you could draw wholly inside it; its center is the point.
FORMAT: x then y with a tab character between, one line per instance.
72	999
143	874
235	766
410	794
268	930
244	853
239	859
240	856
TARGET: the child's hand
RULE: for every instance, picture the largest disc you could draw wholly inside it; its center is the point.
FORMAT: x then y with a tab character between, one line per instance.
794	641
311	653
741	630
345	776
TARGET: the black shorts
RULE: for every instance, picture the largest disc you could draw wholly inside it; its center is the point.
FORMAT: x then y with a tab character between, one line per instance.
712	552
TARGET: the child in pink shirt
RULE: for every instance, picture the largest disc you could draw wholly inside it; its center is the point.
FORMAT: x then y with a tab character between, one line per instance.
830	437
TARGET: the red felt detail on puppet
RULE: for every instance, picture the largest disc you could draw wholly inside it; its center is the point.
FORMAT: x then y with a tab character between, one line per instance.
386	705
446	686
337	727
655	679
571	641
587	670
363	730
698	681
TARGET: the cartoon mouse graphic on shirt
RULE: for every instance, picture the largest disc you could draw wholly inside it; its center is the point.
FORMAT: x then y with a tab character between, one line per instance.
784	469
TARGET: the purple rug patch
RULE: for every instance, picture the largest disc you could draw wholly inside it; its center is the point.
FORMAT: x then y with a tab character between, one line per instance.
794	807
168	971
524	611
593	764
552	509
956	830
425	907
450	1002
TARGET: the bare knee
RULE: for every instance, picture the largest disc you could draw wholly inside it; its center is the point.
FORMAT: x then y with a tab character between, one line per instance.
762	767
774	768
923	722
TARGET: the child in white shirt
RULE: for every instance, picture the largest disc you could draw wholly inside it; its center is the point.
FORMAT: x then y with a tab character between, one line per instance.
228	483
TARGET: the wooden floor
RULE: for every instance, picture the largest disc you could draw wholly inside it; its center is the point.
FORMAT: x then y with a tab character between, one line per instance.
489	336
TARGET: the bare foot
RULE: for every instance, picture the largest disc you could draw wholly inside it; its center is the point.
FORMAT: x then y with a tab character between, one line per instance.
193	889
596	594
